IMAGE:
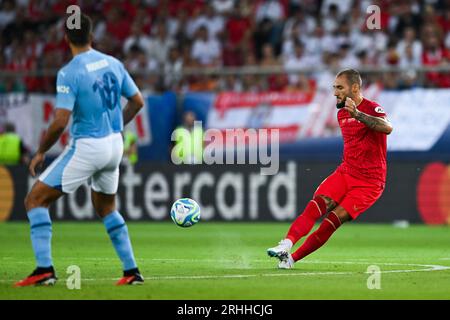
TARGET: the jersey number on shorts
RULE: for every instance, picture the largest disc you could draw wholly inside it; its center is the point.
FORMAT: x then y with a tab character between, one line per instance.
108	87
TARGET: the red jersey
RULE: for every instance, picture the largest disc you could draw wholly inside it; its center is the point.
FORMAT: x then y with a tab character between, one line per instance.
364	149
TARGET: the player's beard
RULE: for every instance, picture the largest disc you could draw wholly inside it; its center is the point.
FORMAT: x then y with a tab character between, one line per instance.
341	104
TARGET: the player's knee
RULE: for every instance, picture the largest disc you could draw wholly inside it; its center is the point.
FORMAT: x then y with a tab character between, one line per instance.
321	203
342	215
36	199
103	210
32	200
329	203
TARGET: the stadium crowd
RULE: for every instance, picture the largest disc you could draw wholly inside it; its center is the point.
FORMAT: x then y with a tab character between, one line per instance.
156	39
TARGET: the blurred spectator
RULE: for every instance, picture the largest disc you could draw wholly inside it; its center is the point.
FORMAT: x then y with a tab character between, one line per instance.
172	69
195	21
206	51
436	55
271	10
188	144
223	7
230	83
447	41
404	15
444	20
268	58
181	37
237	37
409	47
7	13
214	22
137	61
300	24
144	19
137	38
160	44
117	25
12	149
390	57
339	7
314	44
275	82
347	57
303	84
269	17
331	19
130	148
252	82
31	38
297	61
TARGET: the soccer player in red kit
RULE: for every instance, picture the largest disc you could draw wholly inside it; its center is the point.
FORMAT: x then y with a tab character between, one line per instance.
358	181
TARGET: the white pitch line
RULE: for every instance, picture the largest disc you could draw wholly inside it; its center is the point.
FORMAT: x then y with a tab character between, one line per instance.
428	268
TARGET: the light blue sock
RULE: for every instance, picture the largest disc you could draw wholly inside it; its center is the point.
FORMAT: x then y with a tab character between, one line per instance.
118	232
41	236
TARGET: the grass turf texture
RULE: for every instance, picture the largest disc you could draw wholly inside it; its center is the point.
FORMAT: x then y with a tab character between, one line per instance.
229	261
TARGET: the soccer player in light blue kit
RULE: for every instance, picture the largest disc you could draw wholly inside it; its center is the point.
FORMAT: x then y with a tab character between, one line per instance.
89	88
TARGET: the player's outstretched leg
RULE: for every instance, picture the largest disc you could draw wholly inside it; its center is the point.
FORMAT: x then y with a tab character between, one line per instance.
299	228
36	203
318	238
118	233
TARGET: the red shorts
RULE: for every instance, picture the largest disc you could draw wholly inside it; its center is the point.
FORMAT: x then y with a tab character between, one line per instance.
354	195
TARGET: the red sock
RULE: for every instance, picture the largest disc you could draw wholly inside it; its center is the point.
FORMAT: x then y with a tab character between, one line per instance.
304	222
328	226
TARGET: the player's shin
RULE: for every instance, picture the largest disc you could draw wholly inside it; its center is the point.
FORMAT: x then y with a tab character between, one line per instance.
305	222
41	236
328	226
118	233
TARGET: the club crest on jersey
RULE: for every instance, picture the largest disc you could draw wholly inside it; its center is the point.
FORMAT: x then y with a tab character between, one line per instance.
379	110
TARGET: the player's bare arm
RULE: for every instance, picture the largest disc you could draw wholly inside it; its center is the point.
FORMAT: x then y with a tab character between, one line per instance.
52	135
379	124
135	103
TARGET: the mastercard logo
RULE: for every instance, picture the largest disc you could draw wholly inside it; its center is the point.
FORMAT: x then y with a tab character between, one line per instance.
433	194
6	194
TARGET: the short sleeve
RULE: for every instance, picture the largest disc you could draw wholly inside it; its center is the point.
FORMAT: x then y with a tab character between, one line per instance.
129	88
374	109
66	90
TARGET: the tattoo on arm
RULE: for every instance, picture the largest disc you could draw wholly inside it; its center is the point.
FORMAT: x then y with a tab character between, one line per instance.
374	123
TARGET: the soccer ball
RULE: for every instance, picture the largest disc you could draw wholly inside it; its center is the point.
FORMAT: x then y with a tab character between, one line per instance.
185	212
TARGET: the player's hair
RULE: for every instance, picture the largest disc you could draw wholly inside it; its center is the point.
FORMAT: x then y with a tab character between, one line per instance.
352	76
80	36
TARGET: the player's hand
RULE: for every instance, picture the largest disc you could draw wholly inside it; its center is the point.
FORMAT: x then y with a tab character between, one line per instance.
350	106
36	163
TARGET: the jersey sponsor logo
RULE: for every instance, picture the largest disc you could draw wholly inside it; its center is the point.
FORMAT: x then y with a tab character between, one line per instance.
379	110
348	120
62	89
97	65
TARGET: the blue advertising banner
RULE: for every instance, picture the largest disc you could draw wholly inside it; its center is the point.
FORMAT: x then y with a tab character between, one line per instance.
162	119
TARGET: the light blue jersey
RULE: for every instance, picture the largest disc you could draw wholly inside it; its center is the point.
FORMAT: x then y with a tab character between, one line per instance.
90	86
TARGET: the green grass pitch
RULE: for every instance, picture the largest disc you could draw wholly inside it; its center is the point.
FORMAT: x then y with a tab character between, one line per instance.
229	261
